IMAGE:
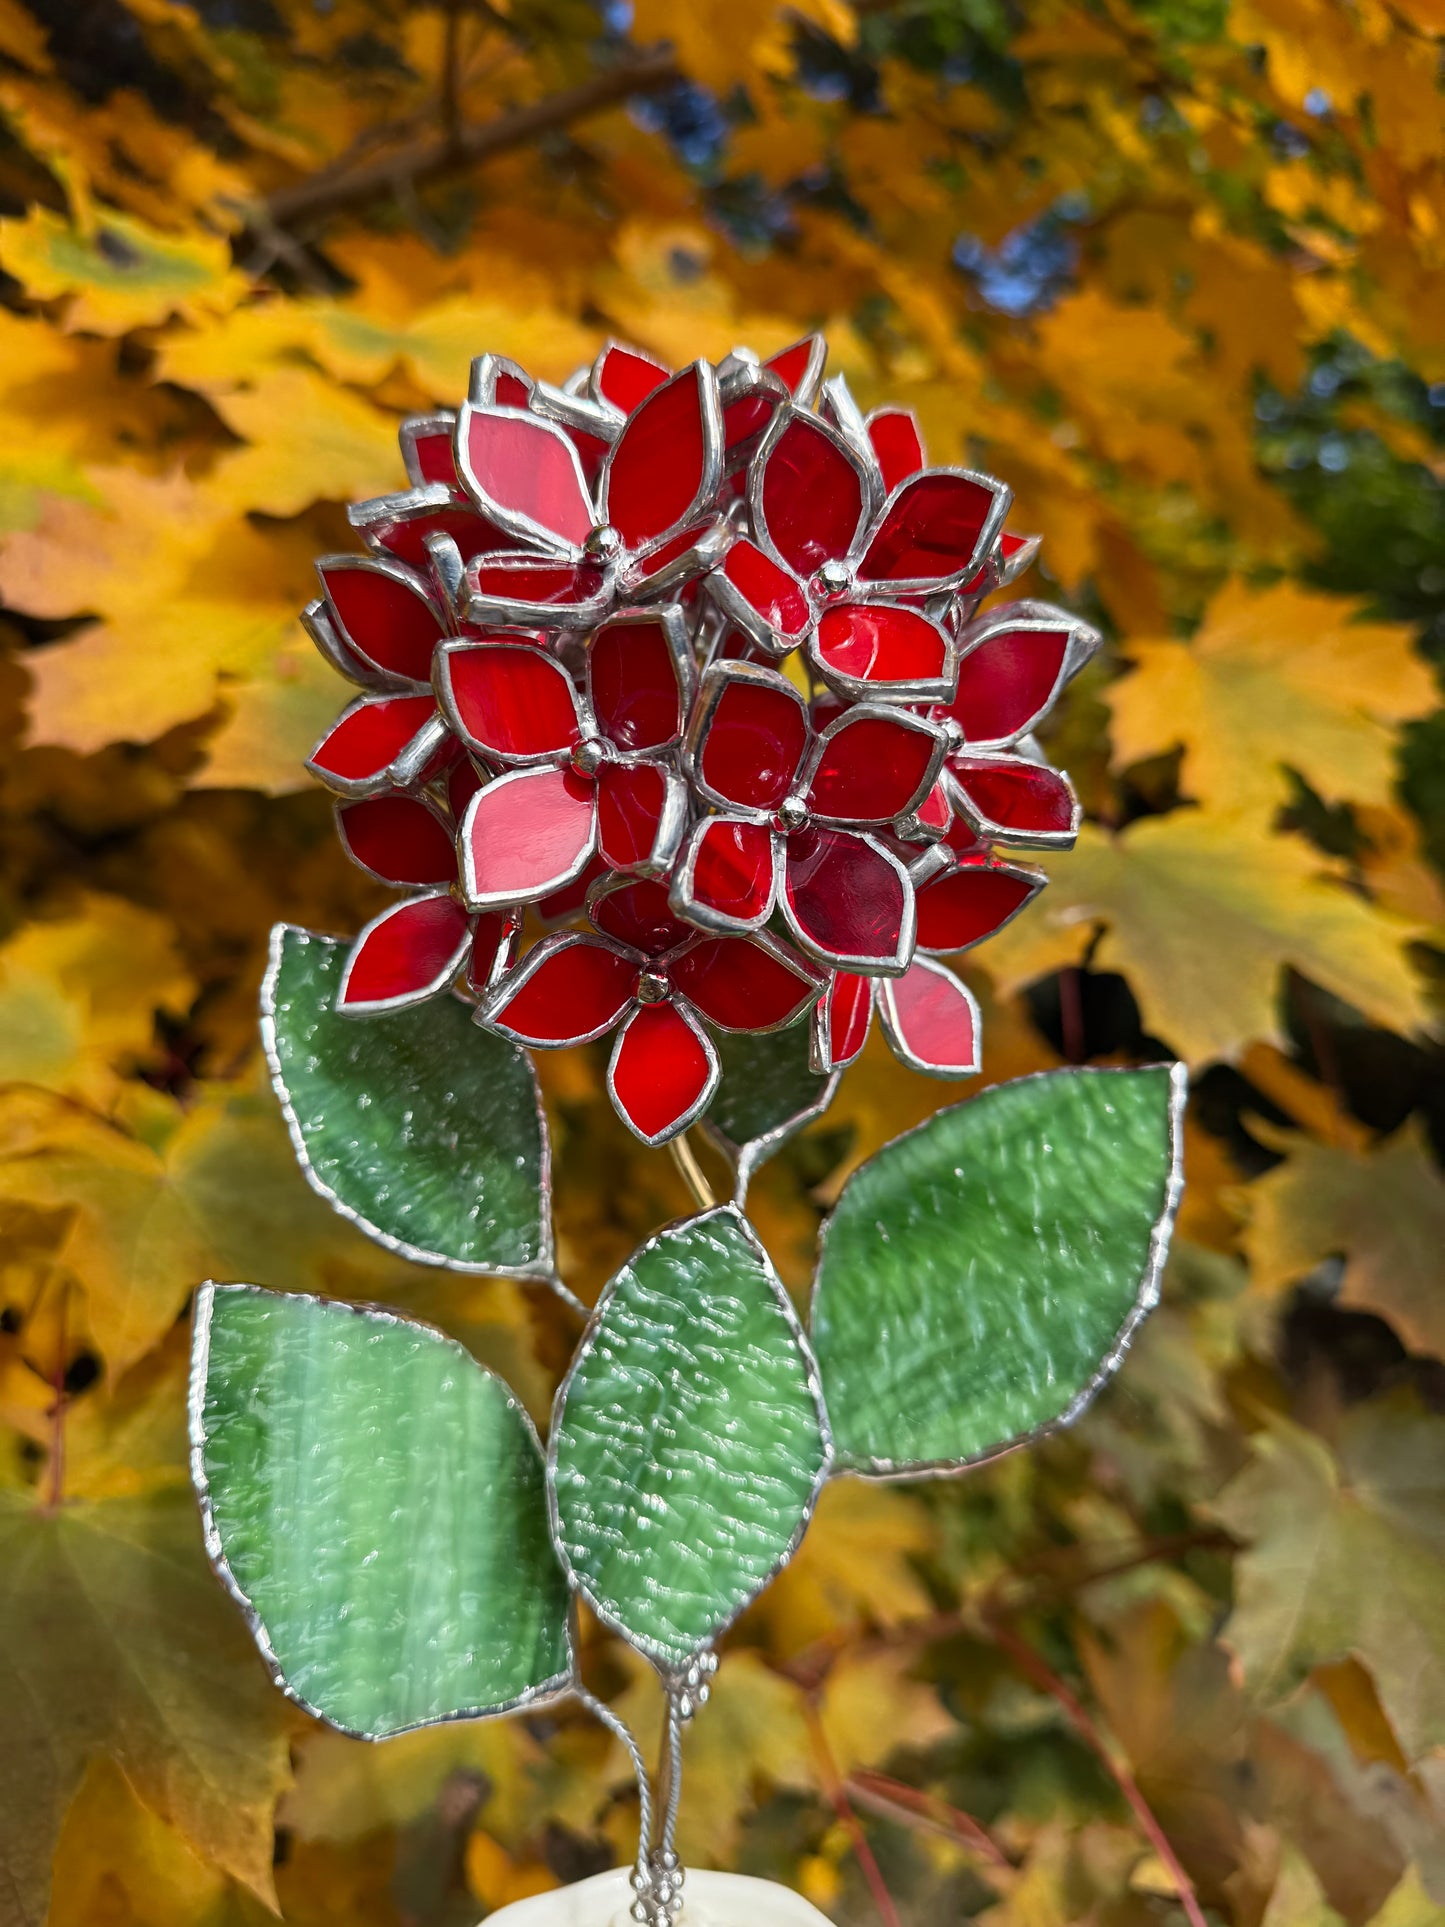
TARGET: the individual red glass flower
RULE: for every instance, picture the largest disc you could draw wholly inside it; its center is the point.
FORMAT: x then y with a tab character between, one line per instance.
792	807
930	1018
655	977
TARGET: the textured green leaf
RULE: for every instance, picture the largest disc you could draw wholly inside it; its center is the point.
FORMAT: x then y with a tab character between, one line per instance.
689	1438
981	1275
424	1129
376	1500
768	1091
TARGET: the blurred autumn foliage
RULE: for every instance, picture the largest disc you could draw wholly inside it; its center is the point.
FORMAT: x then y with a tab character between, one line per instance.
1175	269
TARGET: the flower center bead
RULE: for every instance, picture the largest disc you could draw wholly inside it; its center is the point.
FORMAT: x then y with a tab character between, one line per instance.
589	755
604	544
792	813
832	579
652	988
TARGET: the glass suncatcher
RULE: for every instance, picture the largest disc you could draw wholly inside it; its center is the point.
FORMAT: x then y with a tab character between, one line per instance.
682	721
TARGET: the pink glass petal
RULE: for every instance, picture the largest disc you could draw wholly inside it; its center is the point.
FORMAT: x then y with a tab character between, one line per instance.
871	769
844	1013
878	643
388	620
409	952
663	1071
661	468
965	905
755	743
399	840
1013	800
1007	682
630	802
526	835
509	701
363	742
517	466
931	1020
576	988
846	902
638	914
897	444
626	377
811	496
799	366
771	591
743	983
933	529
731	871
634	684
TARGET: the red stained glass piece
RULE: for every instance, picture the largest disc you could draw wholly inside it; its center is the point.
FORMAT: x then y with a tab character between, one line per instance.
491	941
660	1070
870	770
522	578
897	444
790	365
812	496
876	642
630	797
626	377
651	565
933	1018
592	452
767	588
931	529
742	984
405	537
529	467
754	745
1013	794
511	391
848	1009
635	693
464	779
935	812
364	741
433	458
1007	682
733	869
747	417
399	840
657	468
845	897
572	897
387	620
638	914
408	952
512	701
526	833
577	990
966	905
736	646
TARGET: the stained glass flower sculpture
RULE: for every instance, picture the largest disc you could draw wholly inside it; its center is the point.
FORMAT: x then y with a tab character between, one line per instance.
689	718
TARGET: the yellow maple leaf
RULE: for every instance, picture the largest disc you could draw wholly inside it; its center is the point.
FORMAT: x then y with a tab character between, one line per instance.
123	275
871	1705
311	441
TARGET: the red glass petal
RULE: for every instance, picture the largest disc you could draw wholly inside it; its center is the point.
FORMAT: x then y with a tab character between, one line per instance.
502	584
1013	800
564	904
661	468
771	591
1007	682
897	444
493	950
933	529
525	473
799	367
388	620
747	417
626	377
931	1019
592	452
630	802
403	534
426	449
871	769
569	990
965	905
876	644
526	835
508	700
399	840
362	742
755	742
847	902
743	983
935	812
729	871
637	913
811	495
844	1014
633	682
663	1071
464	779
410	951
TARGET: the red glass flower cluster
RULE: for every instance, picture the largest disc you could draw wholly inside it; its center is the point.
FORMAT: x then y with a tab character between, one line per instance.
683	678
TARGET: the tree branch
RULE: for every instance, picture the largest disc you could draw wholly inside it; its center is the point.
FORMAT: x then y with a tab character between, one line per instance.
346	185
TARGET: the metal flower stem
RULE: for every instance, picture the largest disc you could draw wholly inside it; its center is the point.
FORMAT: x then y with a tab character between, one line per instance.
685	1158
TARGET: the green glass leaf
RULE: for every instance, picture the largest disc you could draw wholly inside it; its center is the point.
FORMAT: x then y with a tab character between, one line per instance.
422	1128
981	1276
768	1092
688	1440
376	1502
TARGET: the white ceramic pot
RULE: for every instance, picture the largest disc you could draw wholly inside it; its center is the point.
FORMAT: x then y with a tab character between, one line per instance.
709	1900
